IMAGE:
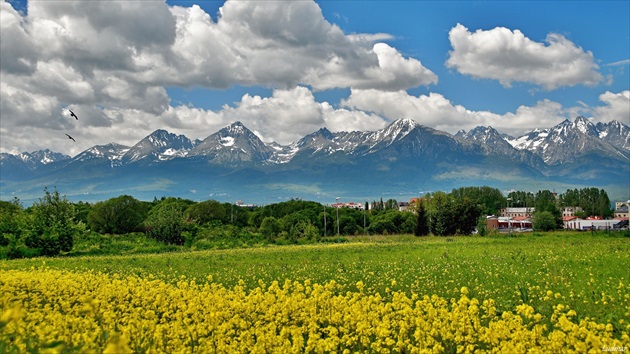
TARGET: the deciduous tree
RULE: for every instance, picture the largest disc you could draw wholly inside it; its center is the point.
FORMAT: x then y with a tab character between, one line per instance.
544	221
118	215
51	228
165	221
203	212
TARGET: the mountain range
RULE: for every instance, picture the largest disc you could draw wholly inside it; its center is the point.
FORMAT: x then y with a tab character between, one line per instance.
402	160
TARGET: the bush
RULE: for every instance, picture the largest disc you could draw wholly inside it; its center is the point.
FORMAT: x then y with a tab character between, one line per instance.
382	227
205	212
10	218
165	224
544	221
51	227
270	227
482	226
119	215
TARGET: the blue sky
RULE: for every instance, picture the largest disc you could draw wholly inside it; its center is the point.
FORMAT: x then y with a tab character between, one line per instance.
132	67
420	30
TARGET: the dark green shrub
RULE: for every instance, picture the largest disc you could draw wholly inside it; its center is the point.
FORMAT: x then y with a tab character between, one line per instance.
165	224
204	212
51	227
10	214
118	215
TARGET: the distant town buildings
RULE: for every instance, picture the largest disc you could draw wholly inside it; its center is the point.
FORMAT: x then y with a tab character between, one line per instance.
517	212
351	205
575	223
241	204
520	219
621	210
570	211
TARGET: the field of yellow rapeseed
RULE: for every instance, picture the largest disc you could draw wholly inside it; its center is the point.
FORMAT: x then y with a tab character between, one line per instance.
44	309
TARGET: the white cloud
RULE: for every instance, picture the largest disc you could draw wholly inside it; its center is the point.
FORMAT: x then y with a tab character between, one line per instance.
17	51
111	61
508	56
285	117
436	111
617	107
619	63
283	44
290	114
338	120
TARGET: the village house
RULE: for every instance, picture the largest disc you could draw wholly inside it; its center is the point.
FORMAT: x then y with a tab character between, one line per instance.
597	223
505	224
621	212
570	210
517	223
492	223
620	204
350	205
514	212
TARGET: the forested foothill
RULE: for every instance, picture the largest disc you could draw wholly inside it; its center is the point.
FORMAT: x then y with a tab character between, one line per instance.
55	226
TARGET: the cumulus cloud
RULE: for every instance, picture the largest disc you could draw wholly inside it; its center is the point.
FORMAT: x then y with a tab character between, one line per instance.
111	61
509	56
283	44
290	114
17	51
284	117
617	107
438	112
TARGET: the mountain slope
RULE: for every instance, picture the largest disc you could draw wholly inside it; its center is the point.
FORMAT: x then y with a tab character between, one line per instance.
40	158
158	146
615	133
569	142
404	157
13	167
494	144
233	145
109	156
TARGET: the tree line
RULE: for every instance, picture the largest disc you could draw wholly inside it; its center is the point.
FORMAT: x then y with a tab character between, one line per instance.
50	226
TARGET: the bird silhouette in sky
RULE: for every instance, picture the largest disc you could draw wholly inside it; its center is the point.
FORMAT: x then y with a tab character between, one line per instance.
71	138
73	115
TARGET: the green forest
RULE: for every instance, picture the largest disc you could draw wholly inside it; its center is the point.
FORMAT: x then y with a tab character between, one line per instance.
55	226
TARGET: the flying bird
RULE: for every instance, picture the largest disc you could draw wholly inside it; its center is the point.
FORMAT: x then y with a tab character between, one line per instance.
71	138
73	115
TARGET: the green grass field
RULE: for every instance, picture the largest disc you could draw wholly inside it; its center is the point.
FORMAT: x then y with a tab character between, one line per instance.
589	273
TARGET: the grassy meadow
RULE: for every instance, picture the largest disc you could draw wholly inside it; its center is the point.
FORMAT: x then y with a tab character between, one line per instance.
547	282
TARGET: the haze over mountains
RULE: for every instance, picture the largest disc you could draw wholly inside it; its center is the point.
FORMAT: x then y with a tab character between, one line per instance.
401	160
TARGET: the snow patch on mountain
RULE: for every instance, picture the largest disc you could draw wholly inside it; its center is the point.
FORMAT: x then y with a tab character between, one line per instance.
227	141
236	145
568	141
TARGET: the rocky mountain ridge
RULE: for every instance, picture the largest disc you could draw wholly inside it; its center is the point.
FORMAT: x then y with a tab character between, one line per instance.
404	155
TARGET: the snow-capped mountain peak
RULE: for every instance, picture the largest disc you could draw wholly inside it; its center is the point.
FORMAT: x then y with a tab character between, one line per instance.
232	145
482	134
568	141
585	126
236	145
158	146
236	128
41	157
112	152
615	133
398	129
